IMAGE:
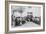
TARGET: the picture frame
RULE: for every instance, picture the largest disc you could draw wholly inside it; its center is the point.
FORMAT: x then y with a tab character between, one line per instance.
22	3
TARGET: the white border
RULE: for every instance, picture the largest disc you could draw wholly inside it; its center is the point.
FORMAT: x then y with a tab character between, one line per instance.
33	28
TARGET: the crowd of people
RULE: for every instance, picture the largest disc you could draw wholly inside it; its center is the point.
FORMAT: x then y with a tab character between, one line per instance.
17	21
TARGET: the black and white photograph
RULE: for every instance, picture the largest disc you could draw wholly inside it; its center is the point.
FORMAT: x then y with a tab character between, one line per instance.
25	16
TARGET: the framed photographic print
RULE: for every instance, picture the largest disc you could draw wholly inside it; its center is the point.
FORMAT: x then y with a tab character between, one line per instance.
24	16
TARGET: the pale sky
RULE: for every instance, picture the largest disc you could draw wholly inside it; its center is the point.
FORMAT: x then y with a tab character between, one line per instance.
35	10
